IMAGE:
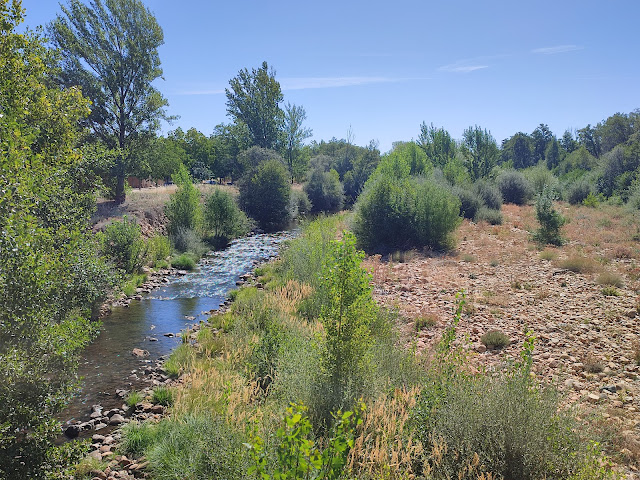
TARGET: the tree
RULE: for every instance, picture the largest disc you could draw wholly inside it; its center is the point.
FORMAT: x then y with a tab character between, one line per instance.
110	50
265	193
590	139
518	150
480	150
552	154
325	191
254	100
294	134
541	137
568	142
437	144
50	273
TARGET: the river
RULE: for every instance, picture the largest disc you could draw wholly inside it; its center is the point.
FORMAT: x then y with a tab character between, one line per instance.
108	364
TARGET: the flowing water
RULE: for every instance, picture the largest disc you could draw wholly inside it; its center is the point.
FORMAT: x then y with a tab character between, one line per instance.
108	363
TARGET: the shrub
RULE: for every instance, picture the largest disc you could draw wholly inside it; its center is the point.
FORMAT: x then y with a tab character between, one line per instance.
299	204
548	255
489	194
592	200
611	279
540	176
158	249
123	244
223	218
162	396
492	217
578	191
425	321
183	209
514	187
398	214
470	202
610	291
265	193
495	339
550	220
579	264
325	191
184	261
187	240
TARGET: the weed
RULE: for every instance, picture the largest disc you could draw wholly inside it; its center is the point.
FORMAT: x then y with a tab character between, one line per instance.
610	291
495	339
136	437
636	351
579	264
162	396
425	321
183	261
469	258
180	360
592	364
548	254
610	279
494	262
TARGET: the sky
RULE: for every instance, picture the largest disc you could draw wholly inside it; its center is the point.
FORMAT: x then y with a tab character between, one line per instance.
380	69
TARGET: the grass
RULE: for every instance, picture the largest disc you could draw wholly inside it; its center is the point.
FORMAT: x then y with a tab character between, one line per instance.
548	254
180	359
580	264
468	258
425	321
495	339
611	279
592	364
162	396
132	283
133	398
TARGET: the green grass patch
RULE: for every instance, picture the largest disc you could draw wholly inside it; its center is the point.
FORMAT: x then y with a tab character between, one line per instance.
133	398
162	396
184	261
495	339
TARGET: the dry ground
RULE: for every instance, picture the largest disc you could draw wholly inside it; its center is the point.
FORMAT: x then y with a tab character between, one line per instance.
586	329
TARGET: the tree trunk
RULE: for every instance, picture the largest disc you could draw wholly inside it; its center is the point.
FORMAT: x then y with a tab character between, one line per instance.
120	194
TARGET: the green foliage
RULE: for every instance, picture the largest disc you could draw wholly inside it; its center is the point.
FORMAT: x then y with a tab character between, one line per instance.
495	339
492	217
122	243
50	273
437	144
489	194
264	195
470	202
162	396
298	455
514	187
179	360
137	437
294	135
578	191
480	152
133	398
400	213
540	176
550	220
254	100
126	106
184	261
183	209
592	200
299	204
158	249
223	218
325	191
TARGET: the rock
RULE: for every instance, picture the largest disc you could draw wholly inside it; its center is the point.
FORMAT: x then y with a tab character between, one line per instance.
98	438
99	474
72	431
593	398
480	348
170	335
157	409
116	419
95	455
138	352
609	388
100	426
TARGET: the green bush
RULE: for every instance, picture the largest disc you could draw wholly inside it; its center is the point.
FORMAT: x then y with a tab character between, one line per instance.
489	194
133	398
495	339
223	218
183	209
265	193
470	202
123	244
158	249
550	220
184	261
188	241
492	217
578	191
399	214
325	191
514	187
540	176
299	204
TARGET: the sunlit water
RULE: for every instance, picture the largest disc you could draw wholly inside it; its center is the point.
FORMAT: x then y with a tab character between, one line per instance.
108	362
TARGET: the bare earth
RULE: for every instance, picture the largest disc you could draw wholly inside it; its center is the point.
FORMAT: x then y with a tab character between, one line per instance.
585	340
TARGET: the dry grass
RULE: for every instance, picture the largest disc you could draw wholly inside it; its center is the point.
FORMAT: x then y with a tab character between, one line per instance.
610	278
579	264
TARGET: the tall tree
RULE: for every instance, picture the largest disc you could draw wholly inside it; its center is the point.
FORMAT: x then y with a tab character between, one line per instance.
519	150
568	142
437	144
589	138
295	134
541	137
254	99
480	150
110	50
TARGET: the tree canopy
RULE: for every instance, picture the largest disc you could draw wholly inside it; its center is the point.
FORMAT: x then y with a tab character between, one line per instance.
110	50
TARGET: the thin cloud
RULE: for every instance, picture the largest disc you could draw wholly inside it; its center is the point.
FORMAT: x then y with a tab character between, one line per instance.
305	83
556	49
463	66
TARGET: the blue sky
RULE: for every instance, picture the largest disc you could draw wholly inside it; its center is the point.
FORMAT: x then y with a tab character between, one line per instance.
382	68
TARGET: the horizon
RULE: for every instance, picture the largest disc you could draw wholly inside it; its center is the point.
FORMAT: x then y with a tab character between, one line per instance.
381	70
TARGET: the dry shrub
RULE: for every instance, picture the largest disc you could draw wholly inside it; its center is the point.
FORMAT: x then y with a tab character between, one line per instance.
592	364
611	279
622	252
548	254
384	447
580	264
428	320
